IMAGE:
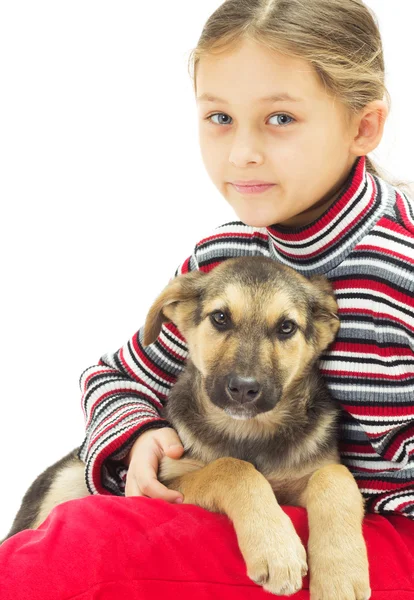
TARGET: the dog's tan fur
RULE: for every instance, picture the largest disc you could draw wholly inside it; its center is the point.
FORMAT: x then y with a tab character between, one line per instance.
69	484
251	482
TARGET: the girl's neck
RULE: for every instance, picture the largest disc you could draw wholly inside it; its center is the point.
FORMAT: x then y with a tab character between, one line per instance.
314	212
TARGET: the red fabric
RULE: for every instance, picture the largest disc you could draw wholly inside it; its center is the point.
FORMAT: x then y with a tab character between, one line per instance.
109	548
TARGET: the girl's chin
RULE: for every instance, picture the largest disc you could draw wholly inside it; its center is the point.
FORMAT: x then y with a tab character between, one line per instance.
254	220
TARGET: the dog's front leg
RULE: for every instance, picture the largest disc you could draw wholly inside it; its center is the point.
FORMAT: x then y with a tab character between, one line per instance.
273	552
337	553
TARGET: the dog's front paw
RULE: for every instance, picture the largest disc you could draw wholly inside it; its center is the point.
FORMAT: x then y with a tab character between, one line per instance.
274	554
339	574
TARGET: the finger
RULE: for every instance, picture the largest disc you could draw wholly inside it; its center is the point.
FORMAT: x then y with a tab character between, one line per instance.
131	487
155	489
147	480
174	451
144	468
167	438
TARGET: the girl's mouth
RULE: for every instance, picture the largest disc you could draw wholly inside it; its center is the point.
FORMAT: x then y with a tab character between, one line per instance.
252	189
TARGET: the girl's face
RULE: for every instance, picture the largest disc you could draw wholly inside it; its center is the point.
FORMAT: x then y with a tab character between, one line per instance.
302	145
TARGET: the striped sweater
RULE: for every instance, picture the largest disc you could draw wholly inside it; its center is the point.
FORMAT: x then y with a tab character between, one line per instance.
364	244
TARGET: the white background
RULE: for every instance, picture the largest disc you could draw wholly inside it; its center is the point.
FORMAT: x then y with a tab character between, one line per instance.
103	193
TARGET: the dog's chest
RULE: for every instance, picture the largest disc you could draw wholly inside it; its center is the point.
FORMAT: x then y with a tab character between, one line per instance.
288	481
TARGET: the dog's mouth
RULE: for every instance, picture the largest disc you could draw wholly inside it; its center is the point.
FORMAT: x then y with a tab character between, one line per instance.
240	413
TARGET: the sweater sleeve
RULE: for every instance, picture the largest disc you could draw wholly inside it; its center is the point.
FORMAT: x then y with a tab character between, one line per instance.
122	397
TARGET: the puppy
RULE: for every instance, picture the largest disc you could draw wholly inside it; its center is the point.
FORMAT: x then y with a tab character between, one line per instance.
257	423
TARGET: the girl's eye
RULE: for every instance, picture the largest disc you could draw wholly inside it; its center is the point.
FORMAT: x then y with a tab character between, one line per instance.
278	116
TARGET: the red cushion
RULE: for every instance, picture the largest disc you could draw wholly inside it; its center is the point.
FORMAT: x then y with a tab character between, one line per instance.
108	547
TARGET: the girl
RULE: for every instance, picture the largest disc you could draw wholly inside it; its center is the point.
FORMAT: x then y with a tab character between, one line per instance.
289	94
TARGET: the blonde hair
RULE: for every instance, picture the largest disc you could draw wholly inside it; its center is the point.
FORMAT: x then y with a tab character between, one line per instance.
340	38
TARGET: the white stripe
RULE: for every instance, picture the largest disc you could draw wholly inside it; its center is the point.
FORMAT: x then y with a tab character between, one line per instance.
380	465
382	368
247	247
121	409
405	448
371	491
390	244
373	302
112	386
376	307
95	370
371	388
389	420
139	372
388	427
392	503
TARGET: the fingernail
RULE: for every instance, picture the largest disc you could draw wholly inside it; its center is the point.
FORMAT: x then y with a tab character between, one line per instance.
179	501
174	447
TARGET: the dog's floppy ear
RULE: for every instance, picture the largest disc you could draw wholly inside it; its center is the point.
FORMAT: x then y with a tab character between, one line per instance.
325	310
180	289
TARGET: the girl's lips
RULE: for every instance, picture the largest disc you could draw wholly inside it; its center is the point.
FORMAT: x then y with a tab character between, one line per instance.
252	189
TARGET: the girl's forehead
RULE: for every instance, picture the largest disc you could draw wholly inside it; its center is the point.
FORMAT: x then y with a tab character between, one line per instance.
256	73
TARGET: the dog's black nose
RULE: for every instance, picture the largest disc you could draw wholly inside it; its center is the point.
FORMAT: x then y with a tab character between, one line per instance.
243	389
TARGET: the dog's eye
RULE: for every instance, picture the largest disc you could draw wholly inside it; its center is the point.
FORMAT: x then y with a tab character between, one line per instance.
219	318
287	328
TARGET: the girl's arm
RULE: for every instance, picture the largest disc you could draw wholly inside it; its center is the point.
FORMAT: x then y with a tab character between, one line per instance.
122	397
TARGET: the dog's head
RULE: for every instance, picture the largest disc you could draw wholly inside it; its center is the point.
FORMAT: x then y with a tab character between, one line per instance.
253	327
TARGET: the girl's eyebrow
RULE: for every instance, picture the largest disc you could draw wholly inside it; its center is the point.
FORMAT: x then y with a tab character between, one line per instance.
278	98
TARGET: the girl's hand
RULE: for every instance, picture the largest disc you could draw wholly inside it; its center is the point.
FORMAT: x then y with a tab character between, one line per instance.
143	461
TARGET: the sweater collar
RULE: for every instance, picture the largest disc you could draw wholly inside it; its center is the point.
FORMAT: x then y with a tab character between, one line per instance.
322	245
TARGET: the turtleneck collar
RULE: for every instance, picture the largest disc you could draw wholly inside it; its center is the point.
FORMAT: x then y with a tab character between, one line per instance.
324	244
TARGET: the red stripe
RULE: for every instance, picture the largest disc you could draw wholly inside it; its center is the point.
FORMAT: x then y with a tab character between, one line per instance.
370	348
402	505
133	410
375	409
186	266
153	367
87	380
382	485
96	437
396	446
207	268
409	224
369	376
232	234
365	311
126	367
99	372
331	241
382	250
356	449
375	286
389	497
137	393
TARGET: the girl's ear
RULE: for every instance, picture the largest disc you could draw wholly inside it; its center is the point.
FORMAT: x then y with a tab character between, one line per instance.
164	309
369	127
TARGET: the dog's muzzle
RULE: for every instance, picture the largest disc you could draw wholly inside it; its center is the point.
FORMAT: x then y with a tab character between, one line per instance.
243	396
